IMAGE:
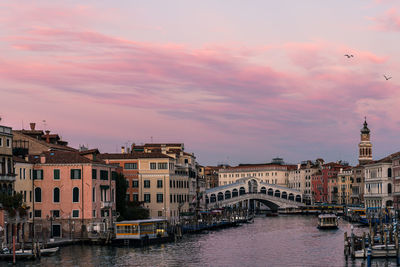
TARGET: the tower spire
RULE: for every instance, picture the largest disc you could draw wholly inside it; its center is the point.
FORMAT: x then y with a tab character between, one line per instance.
365	146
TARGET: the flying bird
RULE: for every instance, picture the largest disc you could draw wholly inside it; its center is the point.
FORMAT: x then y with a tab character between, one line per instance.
387	78
348	56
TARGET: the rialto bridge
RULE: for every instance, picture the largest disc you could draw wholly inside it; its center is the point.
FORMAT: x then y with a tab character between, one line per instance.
247	190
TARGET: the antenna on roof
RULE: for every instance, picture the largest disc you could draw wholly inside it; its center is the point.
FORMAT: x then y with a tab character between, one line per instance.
151	138
44	124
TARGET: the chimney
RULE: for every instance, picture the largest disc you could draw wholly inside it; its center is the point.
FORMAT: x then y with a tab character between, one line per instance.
127	150
42	159
47	137
122	150
32	124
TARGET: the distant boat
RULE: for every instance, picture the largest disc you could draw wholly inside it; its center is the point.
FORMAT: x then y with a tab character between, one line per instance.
327	221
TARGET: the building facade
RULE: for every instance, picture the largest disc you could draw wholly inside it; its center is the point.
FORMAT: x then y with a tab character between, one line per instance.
272	173
70	193
396	181
378	191
7	175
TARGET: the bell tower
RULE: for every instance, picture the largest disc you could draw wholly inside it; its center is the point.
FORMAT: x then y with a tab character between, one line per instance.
365	146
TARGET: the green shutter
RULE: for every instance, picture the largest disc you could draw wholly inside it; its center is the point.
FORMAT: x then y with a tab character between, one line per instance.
72	174
34	174
80	174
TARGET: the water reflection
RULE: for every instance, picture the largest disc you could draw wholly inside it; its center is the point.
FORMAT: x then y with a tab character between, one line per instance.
272	241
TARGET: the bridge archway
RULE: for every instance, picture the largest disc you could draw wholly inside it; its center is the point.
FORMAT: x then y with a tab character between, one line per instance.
284	195
220	196
213	198
291	197
227	194
277	193
298	198
242	191
270	191
263	190
253	186
235	193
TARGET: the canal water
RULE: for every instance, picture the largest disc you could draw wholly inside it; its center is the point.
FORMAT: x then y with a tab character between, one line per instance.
269	241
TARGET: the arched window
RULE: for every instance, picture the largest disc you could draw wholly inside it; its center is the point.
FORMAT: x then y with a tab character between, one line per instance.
38	194
56	195
75	194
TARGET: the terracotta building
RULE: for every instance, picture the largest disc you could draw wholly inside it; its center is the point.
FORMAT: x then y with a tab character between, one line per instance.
72	191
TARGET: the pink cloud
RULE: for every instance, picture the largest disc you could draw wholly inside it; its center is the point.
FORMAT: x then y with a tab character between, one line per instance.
223	91
389	21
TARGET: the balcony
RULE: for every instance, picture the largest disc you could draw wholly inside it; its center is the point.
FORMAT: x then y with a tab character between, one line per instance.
106	204
9	177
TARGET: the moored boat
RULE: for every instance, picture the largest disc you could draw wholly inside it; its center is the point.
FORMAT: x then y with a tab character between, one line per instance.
327	221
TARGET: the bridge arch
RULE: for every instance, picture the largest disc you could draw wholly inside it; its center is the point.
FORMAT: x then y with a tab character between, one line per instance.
263	190
298	198
284	195
235	193
277	193
252	186
227	194
220	196
242	191
291	197
213	198
270	191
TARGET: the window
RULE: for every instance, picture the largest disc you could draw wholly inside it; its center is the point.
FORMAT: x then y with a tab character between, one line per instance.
94	174
94	214
159	183
146	184
103	175
75	194
159	213
160	198
38	194
135	197
38	213
135	183
37	174
130	166
93	194
162	166
56	174
76	174
8	142
153	166
56	213
75	214
56	195
146	198
1	141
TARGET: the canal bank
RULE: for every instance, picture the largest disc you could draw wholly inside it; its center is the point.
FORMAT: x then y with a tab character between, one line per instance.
273	241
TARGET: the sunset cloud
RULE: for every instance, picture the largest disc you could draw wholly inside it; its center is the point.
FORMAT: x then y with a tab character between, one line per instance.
221	93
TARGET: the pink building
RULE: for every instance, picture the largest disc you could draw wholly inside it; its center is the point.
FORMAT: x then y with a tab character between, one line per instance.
72	192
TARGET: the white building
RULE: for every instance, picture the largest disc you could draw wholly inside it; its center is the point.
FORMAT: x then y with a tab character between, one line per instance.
378	183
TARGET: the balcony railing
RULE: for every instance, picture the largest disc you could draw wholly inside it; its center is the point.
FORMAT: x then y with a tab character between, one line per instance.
10	177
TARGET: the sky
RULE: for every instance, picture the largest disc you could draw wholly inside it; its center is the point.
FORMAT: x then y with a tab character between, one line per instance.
235	81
